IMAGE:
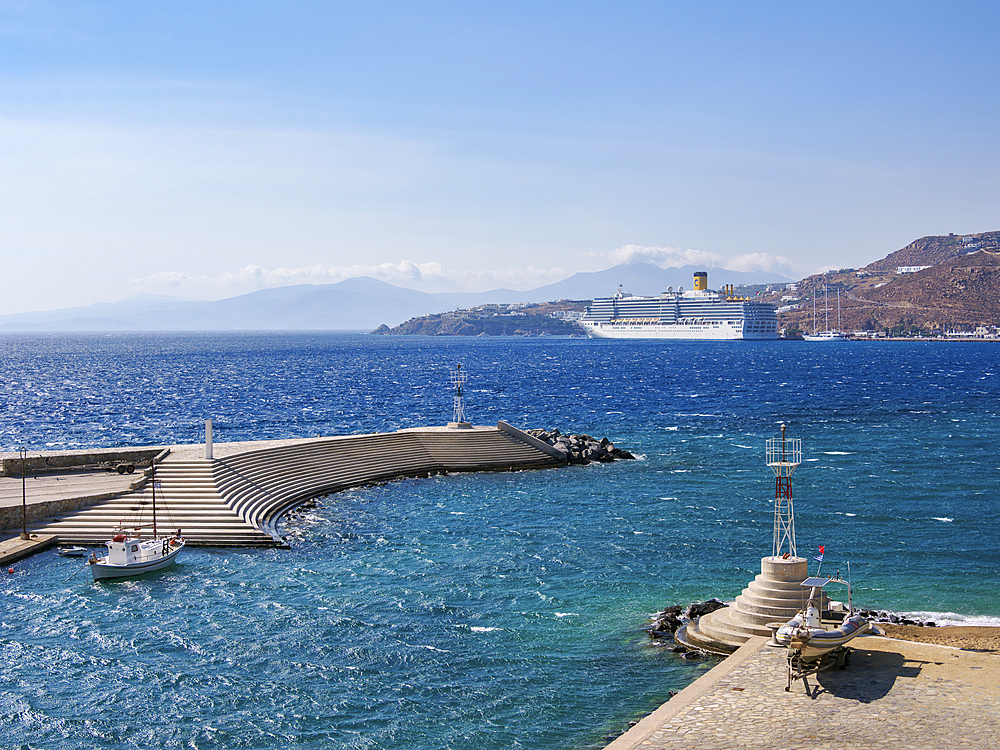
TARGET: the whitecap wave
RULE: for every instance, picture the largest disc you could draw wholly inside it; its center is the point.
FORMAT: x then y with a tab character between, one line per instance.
953	618
944	519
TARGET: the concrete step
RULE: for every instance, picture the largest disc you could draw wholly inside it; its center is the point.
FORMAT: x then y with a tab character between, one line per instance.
240	496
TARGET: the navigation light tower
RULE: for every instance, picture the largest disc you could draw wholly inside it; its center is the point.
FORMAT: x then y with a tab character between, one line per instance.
783	456
458	379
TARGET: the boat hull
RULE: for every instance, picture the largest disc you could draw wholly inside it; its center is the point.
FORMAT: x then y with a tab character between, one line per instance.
102	570
814	642
71	551
823	337
719	332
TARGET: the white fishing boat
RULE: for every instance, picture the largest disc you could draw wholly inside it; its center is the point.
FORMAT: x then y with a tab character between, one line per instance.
808	640
131	554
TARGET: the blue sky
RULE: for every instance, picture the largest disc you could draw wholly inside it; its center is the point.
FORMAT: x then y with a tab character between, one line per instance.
206	149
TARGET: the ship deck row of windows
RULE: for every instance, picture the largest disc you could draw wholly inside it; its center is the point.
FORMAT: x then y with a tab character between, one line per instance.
680	311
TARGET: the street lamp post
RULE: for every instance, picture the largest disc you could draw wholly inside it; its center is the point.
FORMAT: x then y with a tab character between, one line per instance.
23	452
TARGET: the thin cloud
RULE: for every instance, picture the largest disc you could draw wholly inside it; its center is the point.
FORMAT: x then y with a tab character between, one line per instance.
665	257
425	277
761	262
675	257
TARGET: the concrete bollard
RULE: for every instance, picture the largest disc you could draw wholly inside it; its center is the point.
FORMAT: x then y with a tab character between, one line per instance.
208	439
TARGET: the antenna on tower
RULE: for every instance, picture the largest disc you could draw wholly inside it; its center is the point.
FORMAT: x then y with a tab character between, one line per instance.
783	456
458	379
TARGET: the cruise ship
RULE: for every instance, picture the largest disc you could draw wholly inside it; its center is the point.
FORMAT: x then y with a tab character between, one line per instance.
698	313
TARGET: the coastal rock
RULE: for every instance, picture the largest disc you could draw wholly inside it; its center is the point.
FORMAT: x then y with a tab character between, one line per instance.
895	619
665	623
582	449
699	609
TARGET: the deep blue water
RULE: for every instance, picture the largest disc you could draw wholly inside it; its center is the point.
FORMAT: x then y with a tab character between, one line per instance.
481	611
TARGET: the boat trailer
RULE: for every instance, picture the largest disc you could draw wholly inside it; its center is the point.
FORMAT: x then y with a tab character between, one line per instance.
799	667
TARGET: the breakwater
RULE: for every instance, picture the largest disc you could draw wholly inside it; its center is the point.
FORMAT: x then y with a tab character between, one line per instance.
237	497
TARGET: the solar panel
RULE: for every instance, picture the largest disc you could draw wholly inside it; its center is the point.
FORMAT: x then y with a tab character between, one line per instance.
814	582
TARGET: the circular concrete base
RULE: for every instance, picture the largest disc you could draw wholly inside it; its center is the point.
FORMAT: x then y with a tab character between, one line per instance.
793	569
772	596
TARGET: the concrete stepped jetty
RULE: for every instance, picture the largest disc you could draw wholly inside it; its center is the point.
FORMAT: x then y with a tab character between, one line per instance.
773	596
237	497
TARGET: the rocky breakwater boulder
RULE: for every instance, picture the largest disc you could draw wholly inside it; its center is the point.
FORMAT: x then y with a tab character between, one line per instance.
666	622
895	619
581	449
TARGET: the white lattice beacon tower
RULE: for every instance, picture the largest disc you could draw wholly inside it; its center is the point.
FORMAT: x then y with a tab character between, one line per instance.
783	456
773	597
458	379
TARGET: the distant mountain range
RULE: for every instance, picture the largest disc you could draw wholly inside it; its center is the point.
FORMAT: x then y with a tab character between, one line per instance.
354	304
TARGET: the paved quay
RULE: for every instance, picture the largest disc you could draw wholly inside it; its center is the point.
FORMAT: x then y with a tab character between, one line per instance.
15	548
895	694
50	486
43	489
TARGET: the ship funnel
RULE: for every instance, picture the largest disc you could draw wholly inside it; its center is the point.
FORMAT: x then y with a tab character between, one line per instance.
700	281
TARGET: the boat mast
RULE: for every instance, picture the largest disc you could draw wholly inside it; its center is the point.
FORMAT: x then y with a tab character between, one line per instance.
838	308
826	291
152	478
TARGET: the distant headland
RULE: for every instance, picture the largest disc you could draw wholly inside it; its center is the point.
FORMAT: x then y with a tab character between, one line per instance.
938	287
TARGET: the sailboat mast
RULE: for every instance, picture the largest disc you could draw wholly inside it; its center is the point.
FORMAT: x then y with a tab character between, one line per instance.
838	309
826	291
152	477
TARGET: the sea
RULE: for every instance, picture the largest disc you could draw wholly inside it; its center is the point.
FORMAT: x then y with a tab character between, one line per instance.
494	610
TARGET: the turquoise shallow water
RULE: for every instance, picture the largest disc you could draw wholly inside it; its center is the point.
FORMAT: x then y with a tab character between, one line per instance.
479	611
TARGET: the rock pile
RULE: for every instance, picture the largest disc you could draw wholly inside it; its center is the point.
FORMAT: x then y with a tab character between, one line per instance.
884	616
581	449
666	622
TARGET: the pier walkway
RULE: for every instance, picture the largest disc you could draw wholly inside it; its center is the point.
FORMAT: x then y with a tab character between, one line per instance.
895	694
238	496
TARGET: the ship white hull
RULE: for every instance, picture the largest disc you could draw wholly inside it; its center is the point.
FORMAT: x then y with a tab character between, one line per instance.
708	331
828	336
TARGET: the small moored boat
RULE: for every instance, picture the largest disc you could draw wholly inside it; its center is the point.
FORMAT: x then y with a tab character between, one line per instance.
72	551
131	555
813	642
808	641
